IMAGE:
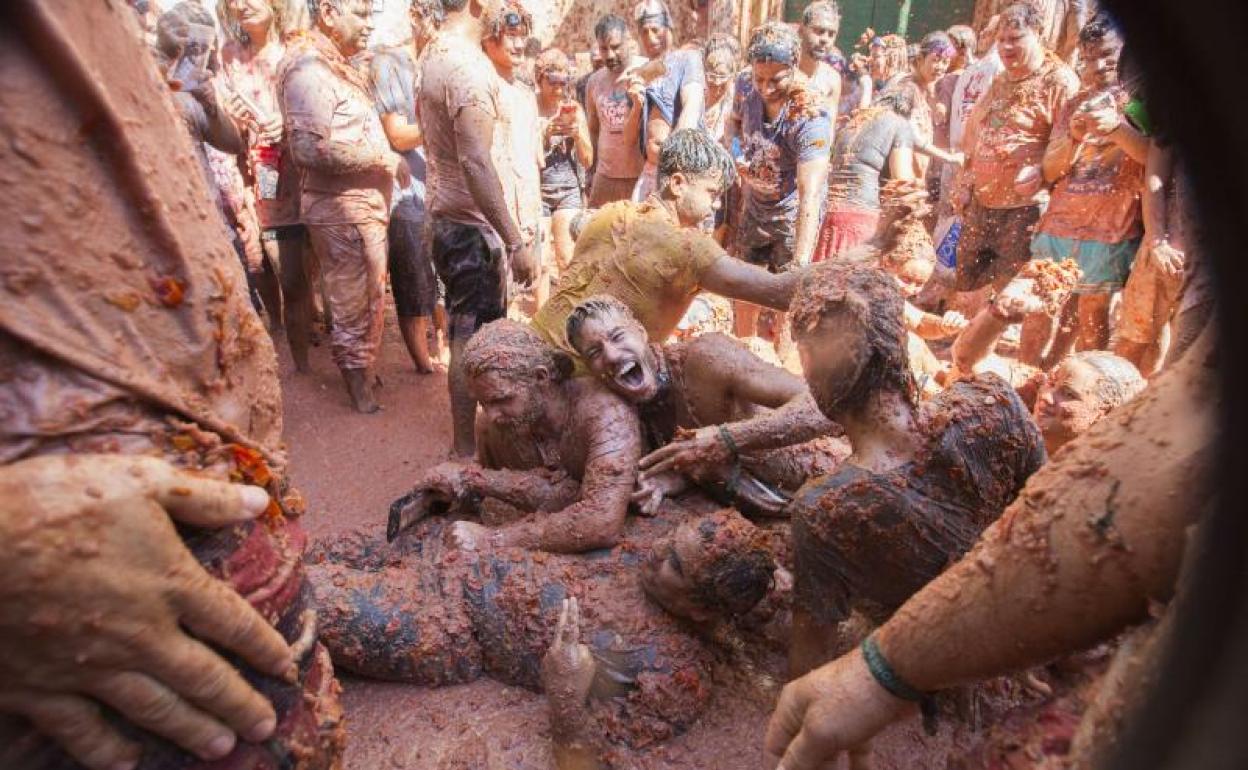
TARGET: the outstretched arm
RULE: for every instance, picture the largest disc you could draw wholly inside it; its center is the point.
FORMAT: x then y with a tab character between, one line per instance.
597	518
721	370
735	279
1090	542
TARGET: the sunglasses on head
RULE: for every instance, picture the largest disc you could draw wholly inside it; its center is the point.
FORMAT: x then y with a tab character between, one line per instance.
513	19
556	80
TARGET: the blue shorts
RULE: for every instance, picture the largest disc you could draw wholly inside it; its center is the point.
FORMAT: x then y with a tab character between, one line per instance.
1105	266
947	251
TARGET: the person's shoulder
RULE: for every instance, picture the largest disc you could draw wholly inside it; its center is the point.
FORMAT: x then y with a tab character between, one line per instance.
712	347
1058	73
597	402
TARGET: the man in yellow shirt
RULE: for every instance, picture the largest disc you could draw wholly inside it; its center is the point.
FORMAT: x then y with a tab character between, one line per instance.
654	257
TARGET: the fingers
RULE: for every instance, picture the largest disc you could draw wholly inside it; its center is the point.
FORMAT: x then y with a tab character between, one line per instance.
656	456
804	753
561	626
77	726
785	722
207	503
574	622
215	613
198	674
156	708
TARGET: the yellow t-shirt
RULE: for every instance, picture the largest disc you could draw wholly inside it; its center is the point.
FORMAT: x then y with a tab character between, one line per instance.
637	254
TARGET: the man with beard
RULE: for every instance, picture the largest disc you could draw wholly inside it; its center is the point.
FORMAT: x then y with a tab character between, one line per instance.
337	140
559	453
613	109
653	257
821	22
711	410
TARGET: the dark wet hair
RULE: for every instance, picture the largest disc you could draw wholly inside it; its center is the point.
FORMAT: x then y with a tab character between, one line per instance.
774	41
899	99
454	6
820	6
1118	380
514	350
608	24
429	10
551	60
870	297
738	569
597	306
174	26
1098	28
1024	15
721	41
692	152
509	14
933	42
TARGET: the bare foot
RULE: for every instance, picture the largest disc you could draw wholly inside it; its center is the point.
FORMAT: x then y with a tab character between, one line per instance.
362	398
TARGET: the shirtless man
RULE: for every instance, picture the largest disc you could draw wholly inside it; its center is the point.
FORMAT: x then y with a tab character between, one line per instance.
563	450
712	411
821	22
652	257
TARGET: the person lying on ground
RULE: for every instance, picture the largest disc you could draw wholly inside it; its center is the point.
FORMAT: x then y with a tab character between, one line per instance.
712	412
418	611
1075	560
652	256
559	453
922	482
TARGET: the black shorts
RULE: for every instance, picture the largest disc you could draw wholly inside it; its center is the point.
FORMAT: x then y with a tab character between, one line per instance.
473	274
412	281
994	245
560	198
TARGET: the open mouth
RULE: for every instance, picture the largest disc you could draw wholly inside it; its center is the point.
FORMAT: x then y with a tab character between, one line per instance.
630	375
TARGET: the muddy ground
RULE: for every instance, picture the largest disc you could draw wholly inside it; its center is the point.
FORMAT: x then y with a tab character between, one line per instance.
350	467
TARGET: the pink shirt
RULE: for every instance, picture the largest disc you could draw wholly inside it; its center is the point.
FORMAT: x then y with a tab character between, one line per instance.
617	158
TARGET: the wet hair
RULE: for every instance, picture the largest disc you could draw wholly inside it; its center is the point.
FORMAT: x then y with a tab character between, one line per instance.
934	42
551	60
580	222
513	350
509	14
820	7
1118	381
454	6
1098	28
174	26
314	8
608	24
230	25
722	42
963	37
596	307
774	41
1023	15
692	152
899	99
652	12
870	297
429	10
737	567
896	54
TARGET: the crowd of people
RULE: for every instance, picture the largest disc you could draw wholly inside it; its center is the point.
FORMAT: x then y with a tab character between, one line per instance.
941	264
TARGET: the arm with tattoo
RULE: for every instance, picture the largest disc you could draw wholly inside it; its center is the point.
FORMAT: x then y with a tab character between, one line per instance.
610	429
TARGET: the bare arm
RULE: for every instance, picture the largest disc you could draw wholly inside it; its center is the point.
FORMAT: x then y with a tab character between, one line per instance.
1094	537
584	145
812	177
1158	170
597	518
1132	142
901	163
735	279
591	118
309	109
403	136
530	491
474	134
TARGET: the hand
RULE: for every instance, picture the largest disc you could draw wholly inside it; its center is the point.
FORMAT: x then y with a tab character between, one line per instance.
1018	299
402	172
469	536
833	710
568	667
1029	181
1104	120
1167	258
98	589
952	323
523	264
270	131
705	448
1079	126
652	490
236	108
635	86
445	482
957	159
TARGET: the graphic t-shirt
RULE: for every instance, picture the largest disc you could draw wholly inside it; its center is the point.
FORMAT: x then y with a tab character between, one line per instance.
616	158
